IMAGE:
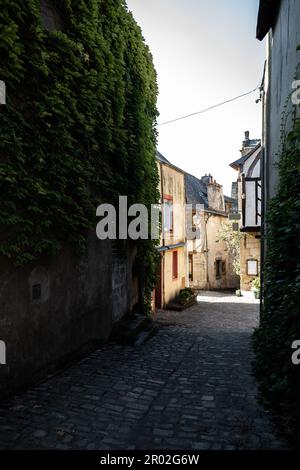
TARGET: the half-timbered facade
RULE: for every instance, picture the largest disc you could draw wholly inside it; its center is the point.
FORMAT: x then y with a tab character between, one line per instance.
250	208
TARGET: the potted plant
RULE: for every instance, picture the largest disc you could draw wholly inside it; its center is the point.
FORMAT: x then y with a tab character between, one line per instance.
256	287
186	296
185	299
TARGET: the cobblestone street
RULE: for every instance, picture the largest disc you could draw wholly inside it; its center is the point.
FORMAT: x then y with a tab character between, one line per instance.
189	387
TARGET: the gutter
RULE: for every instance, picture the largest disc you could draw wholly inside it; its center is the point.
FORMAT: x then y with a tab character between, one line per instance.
163	249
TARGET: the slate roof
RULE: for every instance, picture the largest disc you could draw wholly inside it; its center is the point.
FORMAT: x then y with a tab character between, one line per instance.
196	191
195	188
163	159
232	201
240	162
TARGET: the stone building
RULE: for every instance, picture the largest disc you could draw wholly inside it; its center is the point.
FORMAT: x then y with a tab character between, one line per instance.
249	182
209	260
172	269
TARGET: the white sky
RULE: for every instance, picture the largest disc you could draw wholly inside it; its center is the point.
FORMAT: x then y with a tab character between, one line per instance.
204	52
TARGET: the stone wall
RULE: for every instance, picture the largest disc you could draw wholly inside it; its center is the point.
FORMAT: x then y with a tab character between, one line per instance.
200	280
124	282
58	308
215	196
205	263
172	285
249	250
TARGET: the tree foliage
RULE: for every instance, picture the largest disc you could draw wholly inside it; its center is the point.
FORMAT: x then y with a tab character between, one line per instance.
79	124
232	238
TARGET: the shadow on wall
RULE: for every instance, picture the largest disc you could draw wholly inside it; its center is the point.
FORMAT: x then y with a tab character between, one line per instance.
58	309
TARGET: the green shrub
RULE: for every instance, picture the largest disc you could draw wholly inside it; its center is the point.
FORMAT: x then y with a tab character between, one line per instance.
256	284
186	295
280	322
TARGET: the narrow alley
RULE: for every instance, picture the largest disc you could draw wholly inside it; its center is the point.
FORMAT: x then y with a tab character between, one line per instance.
189	387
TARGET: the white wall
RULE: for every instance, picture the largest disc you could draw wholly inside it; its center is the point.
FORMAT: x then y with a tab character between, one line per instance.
282	64
250	209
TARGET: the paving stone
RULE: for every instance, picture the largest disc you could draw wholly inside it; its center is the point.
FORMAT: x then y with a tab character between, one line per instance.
190	387
163	432
201	446
40	433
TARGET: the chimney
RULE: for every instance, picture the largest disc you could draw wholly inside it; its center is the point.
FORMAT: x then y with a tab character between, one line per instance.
207	179
246	143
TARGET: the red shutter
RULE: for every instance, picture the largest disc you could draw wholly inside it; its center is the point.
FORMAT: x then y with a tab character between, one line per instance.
175	264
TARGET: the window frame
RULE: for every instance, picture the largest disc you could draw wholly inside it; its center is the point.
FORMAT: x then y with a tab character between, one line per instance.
175	265
168	202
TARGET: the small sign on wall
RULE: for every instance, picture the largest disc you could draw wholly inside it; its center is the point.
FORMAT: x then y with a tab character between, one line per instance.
252	267
234	216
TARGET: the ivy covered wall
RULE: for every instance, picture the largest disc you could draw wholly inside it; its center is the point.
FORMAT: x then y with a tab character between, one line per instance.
79	125
280	323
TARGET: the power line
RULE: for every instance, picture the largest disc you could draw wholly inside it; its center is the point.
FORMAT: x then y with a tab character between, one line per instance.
211	107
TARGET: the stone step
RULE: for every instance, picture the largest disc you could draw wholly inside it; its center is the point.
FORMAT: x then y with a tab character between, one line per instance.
146	335
127	331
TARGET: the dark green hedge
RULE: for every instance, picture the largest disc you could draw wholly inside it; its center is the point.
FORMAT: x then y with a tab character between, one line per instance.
79	125
280	323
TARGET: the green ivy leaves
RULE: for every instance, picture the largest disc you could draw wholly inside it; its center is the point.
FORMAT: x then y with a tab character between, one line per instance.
280	323
79	125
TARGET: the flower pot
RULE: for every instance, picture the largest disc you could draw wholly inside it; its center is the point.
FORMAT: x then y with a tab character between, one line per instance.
257	294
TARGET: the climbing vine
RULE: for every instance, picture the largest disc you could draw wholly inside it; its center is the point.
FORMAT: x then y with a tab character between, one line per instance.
79	125
232	238
280	322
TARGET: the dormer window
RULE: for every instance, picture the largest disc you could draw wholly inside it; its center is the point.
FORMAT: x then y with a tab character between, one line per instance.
51	16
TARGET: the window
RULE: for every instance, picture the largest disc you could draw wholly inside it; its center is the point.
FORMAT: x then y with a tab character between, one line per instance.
168	214
191	268
36	292
224	268
218	269
175	265
252	267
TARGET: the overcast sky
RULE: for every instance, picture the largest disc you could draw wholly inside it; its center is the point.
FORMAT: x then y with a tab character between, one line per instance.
204	52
